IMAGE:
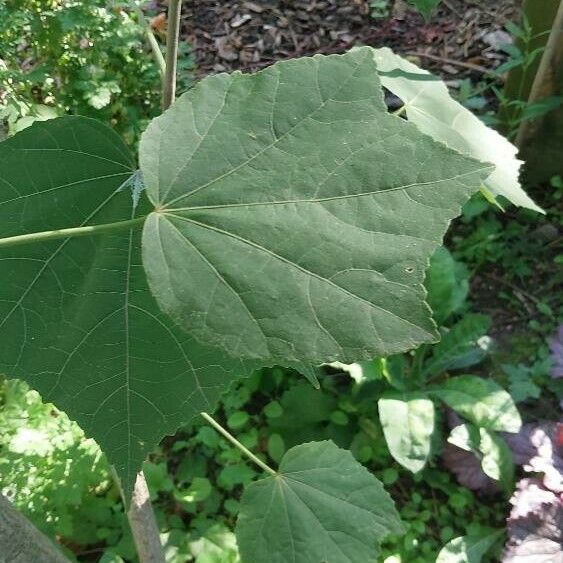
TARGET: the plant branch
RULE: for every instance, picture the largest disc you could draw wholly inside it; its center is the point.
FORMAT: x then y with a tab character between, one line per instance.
21	542
477	68
235	442
172	40
69	233
155	47
143	524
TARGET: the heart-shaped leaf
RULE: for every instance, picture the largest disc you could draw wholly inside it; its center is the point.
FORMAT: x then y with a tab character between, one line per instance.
321	506
77	320
294	217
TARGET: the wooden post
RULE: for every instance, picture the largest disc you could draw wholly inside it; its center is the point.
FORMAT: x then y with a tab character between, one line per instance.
21	542
541	140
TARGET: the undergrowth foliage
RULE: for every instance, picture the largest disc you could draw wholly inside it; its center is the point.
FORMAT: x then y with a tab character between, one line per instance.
286	218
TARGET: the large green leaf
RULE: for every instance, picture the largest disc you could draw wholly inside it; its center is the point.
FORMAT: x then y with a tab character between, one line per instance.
292	222
77	320
408	424
430	107
321	506
482	401
294	217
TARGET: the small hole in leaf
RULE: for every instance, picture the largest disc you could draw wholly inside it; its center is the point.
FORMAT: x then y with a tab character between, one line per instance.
409	270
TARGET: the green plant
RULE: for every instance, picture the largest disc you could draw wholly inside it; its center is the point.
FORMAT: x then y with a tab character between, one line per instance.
522	56
414	384
55	476
512	110
84	58
253	186
379	9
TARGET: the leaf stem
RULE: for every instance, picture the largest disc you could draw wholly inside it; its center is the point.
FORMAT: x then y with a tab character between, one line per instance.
172	39
235	442
69	233
152	42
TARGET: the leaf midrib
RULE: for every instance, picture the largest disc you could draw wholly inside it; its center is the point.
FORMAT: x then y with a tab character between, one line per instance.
267	147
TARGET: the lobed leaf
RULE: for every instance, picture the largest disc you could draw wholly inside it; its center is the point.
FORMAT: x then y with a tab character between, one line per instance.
77	320
292	222
294	217
321	506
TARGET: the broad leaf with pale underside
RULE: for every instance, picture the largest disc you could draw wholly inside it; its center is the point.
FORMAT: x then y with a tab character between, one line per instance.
77	320
294	216
430	107
322	506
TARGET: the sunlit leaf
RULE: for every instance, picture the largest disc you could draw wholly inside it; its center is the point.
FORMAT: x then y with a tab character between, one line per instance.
430	107
467	549
482	401
408	424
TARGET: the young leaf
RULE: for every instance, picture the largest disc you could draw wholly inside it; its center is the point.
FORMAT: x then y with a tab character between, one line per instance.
467	549
408	423
459	347
482	401
321	506
294	216
430	107
425	7
77	320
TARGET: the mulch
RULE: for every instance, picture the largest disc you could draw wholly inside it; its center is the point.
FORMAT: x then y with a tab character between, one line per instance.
462	38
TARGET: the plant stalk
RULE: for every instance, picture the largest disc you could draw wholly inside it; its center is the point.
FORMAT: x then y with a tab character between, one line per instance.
141	514
172	40
143	524
155	47
236	443
68	233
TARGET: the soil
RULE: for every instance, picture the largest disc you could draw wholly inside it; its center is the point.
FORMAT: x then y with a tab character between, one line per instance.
462	38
